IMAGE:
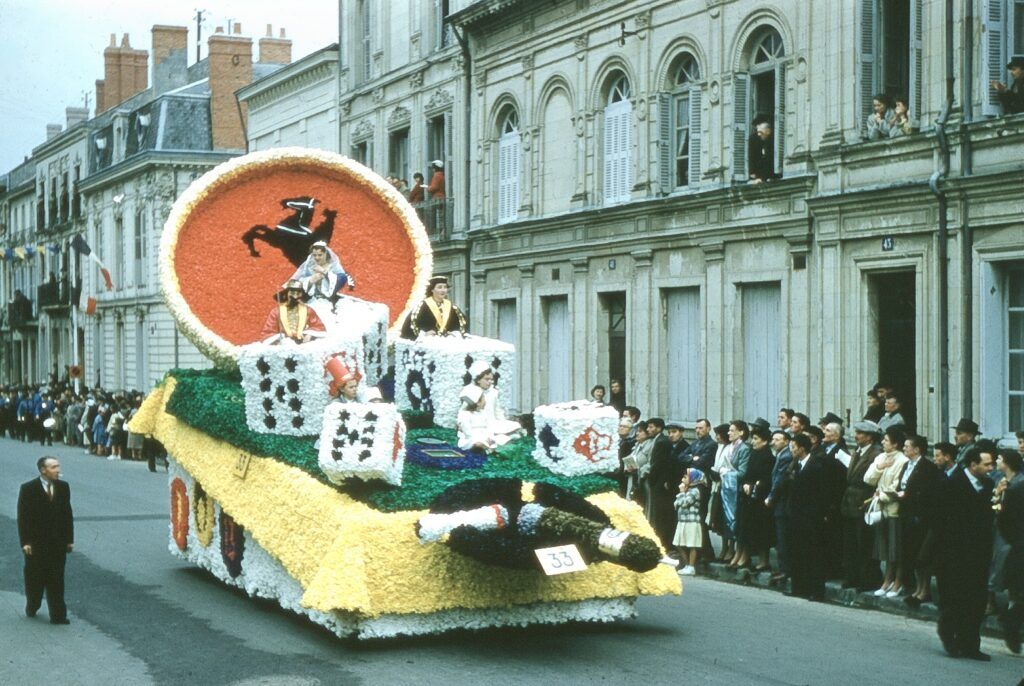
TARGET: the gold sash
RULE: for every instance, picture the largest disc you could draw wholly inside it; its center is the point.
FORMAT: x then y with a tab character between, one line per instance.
282	314
441	314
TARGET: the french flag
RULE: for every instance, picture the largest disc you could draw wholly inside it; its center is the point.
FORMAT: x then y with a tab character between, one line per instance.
82	248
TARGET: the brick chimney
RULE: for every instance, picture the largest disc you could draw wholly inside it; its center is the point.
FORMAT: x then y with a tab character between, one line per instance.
76	115
170	58
125	73
230	62
275	50
53	130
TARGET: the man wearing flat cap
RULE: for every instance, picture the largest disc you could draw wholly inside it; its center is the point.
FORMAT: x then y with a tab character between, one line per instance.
291	321
859	569
1012	96
436	315
965	433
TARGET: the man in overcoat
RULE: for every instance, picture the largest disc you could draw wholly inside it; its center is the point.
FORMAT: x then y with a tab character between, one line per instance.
807	509
860	570
47	534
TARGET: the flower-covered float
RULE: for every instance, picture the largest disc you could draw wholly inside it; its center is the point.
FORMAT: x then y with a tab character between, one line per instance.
291	478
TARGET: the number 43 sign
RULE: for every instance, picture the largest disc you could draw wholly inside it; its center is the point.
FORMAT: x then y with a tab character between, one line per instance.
560	559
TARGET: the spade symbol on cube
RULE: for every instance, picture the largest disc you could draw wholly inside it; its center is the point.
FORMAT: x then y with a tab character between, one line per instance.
266	384
291	364
279	393
293	385
295	404
262	366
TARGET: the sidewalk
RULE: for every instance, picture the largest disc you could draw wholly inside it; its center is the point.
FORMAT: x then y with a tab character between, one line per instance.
835	594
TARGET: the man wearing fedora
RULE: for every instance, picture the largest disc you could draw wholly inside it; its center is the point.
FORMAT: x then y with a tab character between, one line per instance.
965	433
291	321
1012	96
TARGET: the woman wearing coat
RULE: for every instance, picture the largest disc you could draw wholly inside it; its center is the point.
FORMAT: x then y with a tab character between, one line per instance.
735	461
884	474
753	519
716	515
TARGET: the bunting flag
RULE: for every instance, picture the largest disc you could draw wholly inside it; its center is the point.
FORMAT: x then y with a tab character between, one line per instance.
87	303
81	247
19	252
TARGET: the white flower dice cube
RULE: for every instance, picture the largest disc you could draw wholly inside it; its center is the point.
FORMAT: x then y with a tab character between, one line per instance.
364	441
576	438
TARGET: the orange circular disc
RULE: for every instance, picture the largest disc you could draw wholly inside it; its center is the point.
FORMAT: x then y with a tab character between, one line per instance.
242	229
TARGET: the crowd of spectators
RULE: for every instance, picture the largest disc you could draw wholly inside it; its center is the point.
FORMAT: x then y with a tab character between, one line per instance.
90	418
882	513
428	198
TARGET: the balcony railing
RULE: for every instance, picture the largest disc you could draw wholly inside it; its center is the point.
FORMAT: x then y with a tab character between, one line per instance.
20	313
437	216
58	294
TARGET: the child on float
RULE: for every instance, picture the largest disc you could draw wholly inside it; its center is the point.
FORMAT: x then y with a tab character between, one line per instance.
481	422
688	538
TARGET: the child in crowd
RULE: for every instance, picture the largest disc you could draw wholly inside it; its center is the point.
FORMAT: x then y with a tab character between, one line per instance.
688	538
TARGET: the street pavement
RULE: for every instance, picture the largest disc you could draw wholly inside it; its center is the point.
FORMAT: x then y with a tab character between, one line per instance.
140	616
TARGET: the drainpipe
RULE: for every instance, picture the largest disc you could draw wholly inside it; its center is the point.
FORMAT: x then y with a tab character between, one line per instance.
933	183
467	141
966	232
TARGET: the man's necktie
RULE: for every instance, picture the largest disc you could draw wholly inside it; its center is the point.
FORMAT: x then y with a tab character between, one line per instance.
49	491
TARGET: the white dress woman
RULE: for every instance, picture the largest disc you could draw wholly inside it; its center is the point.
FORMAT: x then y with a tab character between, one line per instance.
481	422
323	277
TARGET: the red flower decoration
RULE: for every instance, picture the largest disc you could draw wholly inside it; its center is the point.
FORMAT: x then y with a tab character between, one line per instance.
591	442
179	513
397	443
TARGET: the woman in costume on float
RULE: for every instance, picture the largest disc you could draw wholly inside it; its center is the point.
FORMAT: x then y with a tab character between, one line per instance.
323	277
481	422
436	315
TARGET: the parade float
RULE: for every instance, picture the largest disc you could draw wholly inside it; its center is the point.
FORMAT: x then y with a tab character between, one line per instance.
361	512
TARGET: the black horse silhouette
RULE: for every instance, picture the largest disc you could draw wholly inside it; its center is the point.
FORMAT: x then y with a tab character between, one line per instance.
293	237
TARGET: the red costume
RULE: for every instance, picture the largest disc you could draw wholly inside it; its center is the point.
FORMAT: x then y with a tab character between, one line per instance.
294	325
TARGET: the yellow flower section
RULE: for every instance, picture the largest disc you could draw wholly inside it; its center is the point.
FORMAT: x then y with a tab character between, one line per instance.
351	558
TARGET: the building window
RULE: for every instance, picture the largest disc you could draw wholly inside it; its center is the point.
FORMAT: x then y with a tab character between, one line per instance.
1015	348
890	49
118	265
618	124
366	39
362	152
760	96
684	323
509	152
140	249
76	196
1002	40
65	197
558	343
442	29
398	154
762	359
679	112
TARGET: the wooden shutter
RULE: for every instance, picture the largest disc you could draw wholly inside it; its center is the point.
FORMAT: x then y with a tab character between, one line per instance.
558	350
683	324
780	117
666	147
449	177
508	176
916	87
868	50
694	161
740	125
993	43
761	359
508	330
618	177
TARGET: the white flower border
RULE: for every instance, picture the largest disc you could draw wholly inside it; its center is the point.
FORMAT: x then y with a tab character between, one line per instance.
568	420
263	576
220	351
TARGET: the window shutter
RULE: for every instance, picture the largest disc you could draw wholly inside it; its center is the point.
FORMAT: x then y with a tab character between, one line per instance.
609	152
508	177
694	161
992	64
780	117
666	153
916	100
868	33
449	186
617	178
740	125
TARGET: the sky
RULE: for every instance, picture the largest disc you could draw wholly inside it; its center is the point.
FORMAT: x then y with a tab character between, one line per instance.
51	51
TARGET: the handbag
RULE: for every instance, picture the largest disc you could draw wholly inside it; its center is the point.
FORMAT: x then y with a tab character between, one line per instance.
873	515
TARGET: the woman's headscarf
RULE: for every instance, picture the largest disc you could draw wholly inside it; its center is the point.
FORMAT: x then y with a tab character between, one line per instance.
696	476
305	269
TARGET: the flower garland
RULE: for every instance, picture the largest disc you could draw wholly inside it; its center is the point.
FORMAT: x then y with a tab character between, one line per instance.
576	437
179	513
204	515
225	179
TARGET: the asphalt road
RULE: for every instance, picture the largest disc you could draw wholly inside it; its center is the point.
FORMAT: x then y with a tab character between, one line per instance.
139	616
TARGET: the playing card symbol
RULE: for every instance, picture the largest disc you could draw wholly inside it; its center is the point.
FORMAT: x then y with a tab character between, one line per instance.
297	422
353	437
280	393
549	440
295	404
495	362
344	416
370	417
266	384
367	441
268	404
364	455
291	364
262	366
497	378
466	378
269	422
338	445
468	361
293	385
417	393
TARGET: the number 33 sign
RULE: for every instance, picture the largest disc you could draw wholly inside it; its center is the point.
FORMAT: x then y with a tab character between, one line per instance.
560	559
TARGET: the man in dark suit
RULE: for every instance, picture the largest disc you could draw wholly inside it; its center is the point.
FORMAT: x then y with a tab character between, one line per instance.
807	509
47	534
777	499
663	480
1010	521
860	570
917	487
964	547
701	455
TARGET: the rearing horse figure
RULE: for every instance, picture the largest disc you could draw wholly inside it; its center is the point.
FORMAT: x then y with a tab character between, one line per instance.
292	236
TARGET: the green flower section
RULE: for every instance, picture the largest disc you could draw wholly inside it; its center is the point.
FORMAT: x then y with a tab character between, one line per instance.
212	401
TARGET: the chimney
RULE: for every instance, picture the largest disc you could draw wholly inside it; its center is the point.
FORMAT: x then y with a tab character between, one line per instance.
238	28
230	63
111	77
53	130
125	73
170	58
100	91
275	50
76	115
